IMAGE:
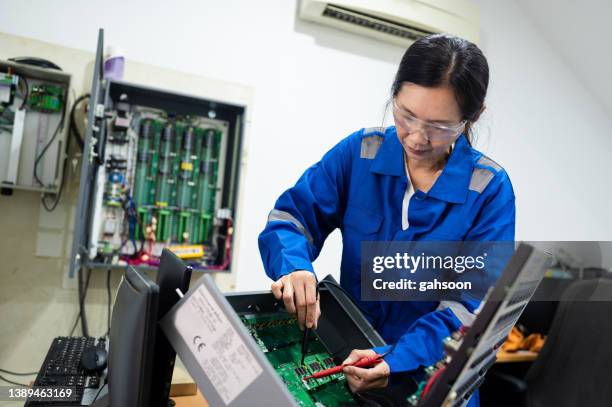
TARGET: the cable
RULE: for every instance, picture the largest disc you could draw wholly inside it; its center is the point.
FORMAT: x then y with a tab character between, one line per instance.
78	317
108	294
35	61
59	127
98	393
431	382
79	139
227	247
58	195
130	212
72	125
83	286
18	373
76	322
26	93
84	325
12	382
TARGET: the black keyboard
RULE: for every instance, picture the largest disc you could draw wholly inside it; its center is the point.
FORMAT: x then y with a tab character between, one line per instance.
62	368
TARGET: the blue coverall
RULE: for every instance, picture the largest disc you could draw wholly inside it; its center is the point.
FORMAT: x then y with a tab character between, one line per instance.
358	187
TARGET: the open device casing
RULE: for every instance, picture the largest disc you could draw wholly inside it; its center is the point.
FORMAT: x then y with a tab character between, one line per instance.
341	329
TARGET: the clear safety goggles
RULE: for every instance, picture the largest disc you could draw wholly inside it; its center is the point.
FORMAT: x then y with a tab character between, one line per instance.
431	131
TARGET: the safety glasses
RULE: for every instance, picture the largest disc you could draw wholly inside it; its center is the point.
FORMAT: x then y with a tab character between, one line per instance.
431	131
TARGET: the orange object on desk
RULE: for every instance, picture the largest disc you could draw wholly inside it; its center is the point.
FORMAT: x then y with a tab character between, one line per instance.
517	341
514	357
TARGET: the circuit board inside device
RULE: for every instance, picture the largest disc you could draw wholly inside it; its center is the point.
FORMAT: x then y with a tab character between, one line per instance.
279	337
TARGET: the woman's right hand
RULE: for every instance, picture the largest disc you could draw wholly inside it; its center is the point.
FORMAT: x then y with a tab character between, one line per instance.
298	290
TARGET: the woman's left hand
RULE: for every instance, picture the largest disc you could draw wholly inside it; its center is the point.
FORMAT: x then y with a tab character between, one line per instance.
361	379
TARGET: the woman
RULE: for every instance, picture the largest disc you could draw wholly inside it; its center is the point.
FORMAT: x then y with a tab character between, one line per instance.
417	180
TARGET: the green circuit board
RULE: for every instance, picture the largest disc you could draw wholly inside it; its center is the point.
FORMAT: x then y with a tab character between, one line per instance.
280	338
46	98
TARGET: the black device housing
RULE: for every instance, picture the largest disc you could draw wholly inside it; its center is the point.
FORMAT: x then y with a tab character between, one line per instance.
500	311
341	327
172	274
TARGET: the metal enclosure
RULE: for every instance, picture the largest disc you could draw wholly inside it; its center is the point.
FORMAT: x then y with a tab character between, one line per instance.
107	98
18	154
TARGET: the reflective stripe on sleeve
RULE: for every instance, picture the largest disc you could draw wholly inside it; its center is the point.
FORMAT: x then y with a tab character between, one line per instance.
463	315
276	215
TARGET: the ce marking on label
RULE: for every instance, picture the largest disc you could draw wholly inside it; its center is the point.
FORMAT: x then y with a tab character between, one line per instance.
197	341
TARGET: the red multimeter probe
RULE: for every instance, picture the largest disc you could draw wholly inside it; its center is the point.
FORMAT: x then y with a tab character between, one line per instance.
363	362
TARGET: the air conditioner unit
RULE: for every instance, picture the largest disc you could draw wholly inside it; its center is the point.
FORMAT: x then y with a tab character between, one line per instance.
396	21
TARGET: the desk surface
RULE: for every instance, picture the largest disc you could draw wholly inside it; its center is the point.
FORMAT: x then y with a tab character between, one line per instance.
191	401
519	356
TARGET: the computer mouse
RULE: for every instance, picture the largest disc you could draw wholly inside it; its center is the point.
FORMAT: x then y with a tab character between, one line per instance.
94	359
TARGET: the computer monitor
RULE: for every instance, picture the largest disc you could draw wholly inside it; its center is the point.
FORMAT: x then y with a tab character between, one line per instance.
172	274
132	341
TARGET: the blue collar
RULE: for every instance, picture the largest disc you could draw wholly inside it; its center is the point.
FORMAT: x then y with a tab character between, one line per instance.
451	186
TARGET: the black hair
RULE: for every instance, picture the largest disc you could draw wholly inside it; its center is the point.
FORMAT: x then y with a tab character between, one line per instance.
443	59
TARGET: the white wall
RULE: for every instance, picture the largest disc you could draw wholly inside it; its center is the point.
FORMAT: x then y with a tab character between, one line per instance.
547	130
314	85
580	32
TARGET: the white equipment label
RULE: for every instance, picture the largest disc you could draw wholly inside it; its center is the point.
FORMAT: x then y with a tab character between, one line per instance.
216	345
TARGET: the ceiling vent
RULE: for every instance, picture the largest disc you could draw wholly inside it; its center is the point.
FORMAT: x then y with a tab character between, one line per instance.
396	21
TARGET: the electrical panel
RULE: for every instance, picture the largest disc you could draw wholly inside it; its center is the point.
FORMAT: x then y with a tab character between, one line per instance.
33	106
161	170
160	186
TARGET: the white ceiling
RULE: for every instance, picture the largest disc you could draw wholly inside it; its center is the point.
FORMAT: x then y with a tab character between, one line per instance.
580	32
